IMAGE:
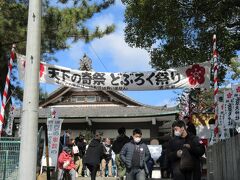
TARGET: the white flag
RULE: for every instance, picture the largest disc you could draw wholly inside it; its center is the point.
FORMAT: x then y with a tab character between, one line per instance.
54	125
220	110
236	103
220	113
228	108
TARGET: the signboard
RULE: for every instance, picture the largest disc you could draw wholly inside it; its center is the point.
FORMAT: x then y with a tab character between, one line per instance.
236	104
228	100
221	114
194	76
155	151
54	130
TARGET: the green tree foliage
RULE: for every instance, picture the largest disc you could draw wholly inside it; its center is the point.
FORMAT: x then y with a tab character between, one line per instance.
179	32
61	21
235	65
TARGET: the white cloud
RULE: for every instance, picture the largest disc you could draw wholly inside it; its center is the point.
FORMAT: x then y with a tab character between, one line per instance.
101	21
119	4
76	51
123	56
112	48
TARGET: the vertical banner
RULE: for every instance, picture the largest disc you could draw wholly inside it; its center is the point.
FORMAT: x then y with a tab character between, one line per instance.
228	108
220	114
9	126
220	111
54	130
236	104
54	125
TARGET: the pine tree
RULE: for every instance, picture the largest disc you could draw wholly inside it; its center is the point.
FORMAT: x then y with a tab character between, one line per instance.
62	21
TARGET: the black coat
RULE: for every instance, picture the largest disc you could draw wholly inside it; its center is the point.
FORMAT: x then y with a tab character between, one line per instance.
163	160
196	150
191	128
94	153
81	147
119	143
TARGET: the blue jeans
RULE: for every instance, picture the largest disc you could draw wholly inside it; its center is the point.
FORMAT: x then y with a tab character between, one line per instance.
136	174
72	173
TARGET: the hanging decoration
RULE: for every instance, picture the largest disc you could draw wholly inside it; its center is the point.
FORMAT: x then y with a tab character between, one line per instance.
5	92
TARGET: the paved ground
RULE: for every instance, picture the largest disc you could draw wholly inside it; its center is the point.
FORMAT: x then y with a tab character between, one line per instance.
112	178
43	177
98	178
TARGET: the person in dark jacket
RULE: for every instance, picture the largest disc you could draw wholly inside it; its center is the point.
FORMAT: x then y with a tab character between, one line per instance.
189	125
183	139
121	140
78	158
150	164
94	155
135	155
164	163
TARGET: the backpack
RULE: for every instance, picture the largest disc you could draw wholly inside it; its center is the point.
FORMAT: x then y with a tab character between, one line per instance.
186	162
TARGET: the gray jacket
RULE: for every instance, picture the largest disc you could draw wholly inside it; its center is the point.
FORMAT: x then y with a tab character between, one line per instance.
126	154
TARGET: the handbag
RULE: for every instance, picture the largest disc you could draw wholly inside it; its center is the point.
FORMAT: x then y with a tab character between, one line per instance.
75	149
186	162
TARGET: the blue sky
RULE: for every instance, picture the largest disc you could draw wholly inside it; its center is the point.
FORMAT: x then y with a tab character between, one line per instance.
115	54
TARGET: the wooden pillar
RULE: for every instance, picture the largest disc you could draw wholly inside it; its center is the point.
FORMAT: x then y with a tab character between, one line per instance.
154	128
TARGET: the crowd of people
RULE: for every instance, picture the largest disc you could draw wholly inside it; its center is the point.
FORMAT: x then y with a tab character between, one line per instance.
130	157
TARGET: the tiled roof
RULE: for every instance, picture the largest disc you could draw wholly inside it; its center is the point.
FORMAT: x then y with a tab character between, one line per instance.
108	111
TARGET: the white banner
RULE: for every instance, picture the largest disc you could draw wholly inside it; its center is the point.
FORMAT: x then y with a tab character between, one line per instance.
228	100
220	110
220	113
54	130
194	76
236	103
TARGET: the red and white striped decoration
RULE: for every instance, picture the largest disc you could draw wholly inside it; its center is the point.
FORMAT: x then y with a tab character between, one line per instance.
5	92
215	80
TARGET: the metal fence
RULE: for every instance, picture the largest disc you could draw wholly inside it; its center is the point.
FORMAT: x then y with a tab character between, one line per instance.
223	160
9	158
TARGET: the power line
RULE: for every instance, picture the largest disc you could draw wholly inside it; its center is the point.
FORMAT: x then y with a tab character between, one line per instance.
97	56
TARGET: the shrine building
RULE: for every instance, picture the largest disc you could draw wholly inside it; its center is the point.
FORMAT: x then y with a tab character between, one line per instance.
85	109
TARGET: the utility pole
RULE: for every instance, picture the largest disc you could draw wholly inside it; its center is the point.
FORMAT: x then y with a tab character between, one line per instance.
28	148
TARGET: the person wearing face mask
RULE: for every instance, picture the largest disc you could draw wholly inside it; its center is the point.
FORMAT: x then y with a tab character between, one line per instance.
183	139
135	154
